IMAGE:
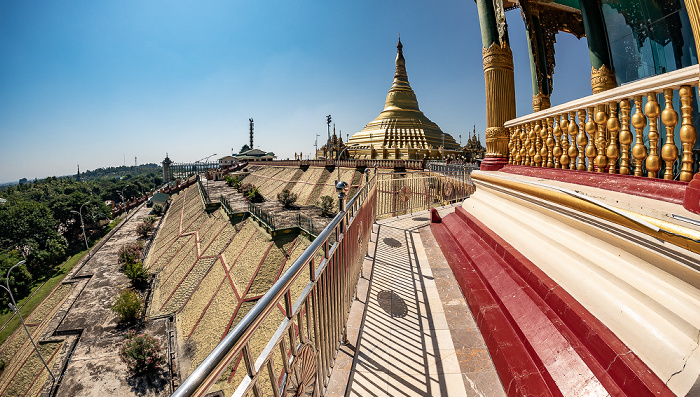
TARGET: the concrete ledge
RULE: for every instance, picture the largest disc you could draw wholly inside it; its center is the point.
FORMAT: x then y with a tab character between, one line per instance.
478	257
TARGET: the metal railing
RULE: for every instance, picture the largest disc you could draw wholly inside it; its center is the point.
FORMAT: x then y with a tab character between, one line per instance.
262	216
353	163
202	190
620	130
409	192
315	294
441	166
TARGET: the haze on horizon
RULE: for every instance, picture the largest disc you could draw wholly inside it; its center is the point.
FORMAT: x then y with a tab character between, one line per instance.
99	83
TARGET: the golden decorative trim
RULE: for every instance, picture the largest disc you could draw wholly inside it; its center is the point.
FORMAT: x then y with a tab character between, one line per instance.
602	79
681	238
497	57
497	142
540	102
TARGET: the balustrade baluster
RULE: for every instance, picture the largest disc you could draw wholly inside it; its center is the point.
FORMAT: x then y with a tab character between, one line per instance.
529	146
250	367
601	120
582	140
538	144
511	145
523	145
556	149
591	130
565	159
669	117
518	144
652	111
273	377
625	137
612	150
549	142
687	133
639	121
285	361
573	133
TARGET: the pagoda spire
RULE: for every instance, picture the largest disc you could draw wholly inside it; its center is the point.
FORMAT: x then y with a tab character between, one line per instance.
400	76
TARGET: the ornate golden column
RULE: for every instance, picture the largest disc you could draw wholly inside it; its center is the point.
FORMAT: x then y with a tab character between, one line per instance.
500	102
693	9
499	82
602	75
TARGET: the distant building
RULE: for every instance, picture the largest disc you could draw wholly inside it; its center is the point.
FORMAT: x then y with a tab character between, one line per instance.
255	155
227	161
167	175
332	148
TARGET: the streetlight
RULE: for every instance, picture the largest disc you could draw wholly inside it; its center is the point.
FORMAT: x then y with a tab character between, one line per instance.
206	161
338	158
13	307
80	212
122	192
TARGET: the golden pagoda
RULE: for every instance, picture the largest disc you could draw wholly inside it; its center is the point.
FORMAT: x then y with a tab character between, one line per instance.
401	131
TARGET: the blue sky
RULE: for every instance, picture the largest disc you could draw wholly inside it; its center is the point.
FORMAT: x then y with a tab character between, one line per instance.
97	82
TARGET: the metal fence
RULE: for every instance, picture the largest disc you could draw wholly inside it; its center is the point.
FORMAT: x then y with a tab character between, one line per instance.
408	192
266	355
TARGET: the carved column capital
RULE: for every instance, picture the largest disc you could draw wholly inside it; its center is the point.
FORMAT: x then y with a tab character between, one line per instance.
602	79
540	102
497	142
497	57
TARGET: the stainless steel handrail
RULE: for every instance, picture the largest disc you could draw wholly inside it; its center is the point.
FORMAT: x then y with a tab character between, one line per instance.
200	379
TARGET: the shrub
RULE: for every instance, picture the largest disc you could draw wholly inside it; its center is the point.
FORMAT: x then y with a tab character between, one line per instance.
151	220
286	198
141	353
157	209
136	273
327	205
246	188
233	181
128	306
144	229
130	252
254	195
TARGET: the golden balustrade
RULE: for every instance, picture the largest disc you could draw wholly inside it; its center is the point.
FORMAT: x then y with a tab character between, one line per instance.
626	130
573	133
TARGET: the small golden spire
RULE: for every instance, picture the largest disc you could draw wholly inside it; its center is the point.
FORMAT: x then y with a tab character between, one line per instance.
400	75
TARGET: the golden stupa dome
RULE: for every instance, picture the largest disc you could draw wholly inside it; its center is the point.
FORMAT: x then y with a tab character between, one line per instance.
401	130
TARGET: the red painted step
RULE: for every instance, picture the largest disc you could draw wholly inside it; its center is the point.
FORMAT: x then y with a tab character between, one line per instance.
548	332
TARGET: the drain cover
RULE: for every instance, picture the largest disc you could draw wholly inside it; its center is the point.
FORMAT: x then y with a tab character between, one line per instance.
392	242
392	304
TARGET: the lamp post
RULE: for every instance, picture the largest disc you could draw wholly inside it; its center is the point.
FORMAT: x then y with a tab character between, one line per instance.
338	158
206	160
122	192
82	224
14	308
443	147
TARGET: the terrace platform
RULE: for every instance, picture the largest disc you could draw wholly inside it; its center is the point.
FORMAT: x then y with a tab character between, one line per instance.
410	330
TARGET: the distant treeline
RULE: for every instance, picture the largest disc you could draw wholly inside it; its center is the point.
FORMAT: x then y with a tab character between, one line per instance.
120	171
38	222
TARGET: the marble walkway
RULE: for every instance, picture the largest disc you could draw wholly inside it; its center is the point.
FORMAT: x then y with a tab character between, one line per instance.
410	330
